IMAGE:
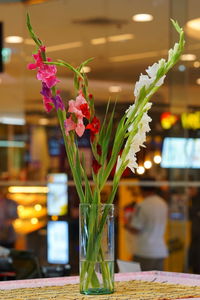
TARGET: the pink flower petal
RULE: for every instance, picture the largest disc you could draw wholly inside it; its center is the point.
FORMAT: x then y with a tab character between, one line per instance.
69	125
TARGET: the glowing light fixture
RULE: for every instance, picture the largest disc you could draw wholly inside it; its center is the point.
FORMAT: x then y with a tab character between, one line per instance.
28	189
115	89
98	41
86	69
198	81
38	207
34	221
188	57
147	164
121	37
193	28
140	170
196	64
157	159
142	18
14	39
181	68
54	218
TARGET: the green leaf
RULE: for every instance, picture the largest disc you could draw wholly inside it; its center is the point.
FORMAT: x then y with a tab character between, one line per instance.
64	64
32	34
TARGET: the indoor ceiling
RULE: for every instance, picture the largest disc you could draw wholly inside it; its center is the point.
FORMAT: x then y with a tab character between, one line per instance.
74	30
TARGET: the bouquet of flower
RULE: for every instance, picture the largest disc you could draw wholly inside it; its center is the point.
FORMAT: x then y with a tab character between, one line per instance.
76	116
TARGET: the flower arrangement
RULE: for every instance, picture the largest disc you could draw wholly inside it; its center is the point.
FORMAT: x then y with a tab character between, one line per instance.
76	116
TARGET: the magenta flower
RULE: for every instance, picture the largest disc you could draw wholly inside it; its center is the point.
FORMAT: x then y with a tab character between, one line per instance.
58	103
48	105
46	73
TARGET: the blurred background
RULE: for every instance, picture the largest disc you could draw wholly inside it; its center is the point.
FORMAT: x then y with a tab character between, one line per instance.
124	37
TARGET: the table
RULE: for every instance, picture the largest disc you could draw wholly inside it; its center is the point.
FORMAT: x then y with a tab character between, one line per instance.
156	276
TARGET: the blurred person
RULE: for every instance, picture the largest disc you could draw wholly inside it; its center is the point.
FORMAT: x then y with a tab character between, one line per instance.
194	216
148	223
8	213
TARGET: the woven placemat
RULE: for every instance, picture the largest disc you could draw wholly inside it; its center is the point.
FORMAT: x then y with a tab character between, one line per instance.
126	290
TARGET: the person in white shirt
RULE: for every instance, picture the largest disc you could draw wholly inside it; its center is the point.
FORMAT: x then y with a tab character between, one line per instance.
149	223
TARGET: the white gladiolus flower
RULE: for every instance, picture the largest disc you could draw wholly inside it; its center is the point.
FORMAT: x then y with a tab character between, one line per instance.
144	80
139	138
171	52
147	80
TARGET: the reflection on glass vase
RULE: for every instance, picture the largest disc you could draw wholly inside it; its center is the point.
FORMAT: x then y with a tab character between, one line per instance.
96	244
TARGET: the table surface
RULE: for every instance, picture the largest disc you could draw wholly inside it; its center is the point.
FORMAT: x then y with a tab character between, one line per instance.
168	277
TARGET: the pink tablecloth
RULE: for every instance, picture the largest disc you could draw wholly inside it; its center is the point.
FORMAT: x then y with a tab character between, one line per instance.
178	278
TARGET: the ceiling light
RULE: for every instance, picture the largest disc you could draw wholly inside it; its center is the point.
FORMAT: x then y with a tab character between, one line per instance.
147	164
157	159
142	18
64	46
198	81
196	64
85	69
121	37
98	41
115	89
193	28
135	56
188	57
14	39
140	170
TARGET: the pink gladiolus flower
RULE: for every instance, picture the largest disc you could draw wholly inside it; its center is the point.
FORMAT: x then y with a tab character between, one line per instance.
80	128
46	73
75	106
48	105
69	125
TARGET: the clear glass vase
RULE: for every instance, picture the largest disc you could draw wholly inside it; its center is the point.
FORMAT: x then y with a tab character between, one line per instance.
96	244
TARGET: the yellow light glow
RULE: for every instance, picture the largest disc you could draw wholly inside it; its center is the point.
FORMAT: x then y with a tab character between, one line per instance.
43	121
115	89
34	221
140	170
194	24
38	207
198	81
188	57
86	69
14	39
98	41
196	64
28	189
147	164
54	218
120	37
18	223
20	208
142	18
157	159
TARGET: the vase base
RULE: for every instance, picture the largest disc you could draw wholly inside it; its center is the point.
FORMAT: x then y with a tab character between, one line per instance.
97	291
